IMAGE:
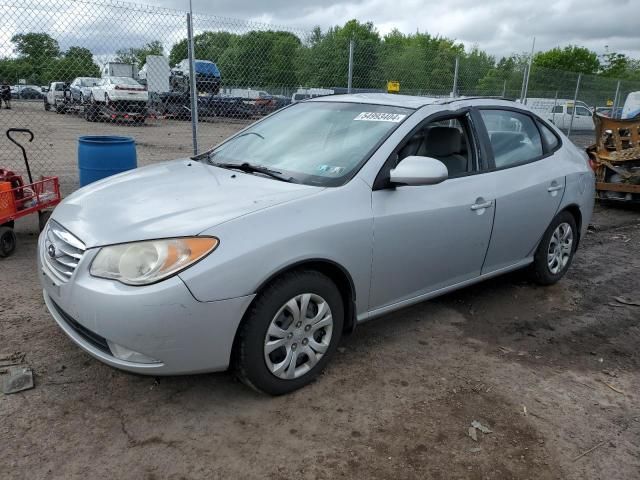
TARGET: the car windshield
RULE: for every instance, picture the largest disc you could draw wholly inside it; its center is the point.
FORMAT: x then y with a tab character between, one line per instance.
316	143
124	81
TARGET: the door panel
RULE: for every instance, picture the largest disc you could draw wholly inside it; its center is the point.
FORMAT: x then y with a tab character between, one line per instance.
429	237
527	198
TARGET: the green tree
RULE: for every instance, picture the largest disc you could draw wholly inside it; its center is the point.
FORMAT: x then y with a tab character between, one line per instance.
506	75
138	56
76	62
208	46
420	62
260	59
325	60
35	46
571	58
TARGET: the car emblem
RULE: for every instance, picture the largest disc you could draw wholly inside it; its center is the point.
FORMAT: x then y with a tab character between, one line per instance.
51	250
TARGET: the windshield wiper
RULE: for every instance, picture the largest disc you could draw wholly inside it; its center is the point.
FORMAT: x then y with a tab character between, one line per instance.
250	168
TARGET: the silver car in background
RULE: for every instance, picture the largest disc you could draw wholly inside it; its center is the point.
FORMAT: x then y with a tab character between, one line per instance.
264	251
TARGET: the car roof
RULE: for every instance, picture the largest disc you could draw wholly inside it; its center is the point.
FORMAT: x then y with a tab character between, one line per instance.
415	102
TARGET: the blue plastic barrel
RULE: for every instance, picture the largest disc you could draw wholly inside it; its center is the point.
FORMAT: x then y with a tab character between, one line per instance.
102	156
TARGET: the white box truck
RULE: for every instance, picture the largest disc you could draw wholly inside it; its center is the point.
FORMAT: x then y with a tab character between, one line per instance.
119	69
155	73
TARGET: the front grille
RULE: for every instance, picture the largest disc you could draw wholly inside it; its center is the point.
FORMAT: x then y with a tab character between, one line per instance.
90	337
62	251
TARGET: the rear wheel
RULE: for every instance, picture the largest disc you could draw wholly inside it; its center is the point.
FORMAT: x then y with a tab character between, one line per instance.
7	241
47	107
555	252
290	333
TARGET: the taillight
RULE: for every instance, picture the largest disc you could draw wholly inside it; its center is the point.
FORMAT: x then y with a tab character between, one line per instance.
130	89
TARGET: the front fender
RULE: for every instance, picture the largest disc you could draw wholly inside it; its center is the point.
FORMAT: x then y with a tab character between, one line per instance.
334	226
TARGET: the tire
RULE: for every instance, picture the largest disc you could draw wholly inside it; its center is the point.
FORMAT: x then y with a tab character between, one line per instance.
81	99
265	368
47	107
560	239
7	241
90	110
43	218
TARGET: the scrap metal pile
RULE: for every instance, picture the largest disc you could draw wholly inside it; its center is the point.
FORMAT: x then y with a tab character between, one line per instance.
615	157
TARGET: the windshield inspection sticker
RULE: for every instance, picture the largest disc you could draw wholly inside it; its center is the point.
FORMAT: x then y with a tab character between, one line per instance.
380	117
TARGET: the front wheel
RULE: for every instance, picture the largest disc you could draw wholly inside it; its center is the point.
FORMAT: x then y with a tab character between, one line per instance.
47	107
7	241
555	252
290	333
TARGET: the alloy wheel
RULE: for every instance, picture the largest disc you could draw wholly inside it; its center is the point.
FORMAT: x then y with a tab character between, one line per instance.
560	248
298	336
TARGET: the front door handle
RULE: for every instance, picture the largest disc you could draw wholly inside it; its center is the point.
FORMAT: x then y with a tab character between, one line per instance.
554	188
480	206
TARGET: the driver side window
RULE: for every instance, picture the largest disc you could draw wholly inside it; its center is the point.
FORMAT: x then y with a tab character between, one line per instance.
447	140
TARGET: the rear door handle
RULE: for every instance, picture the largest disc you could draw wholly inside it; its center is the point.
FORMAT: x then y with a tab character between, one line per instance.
480	206
555	188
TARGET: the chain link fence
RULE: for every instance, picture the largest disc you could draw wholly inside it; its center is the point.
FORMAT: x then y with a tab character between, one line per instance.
100	67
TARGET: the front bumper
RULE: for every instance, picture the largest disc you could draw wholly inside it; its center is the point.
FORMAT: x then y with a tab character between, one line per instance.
162	321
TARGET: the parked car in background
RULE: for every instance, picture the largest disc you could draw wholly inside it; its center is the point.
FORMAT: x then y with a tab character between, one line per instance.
609	112
270	103
561	114
208	77
119	99
263	251
26	92
55	93
118	89
30	92
306	93
80	88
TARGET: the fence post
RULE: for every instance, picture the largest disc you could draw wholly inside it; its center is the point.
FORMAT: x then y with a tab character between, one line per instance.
504	89
454	92
524	79
350	78
526	82
575	99
193	93
553	110
616	100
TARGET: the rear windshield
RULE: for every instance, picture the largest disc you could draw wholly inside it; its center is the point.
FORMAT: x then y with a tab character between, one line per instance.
124	81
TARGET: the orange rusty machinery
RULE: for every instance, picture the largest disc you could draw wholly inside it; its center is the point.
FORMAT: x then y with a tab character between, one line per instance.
615	158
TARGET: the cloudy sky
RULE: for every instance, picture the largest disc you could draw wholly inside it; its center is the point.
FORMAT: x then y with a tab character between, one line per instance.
499	26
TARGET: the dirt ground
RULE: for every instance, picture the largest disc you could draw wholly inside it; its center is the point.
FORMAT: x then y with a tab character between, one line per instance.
397	400
554	372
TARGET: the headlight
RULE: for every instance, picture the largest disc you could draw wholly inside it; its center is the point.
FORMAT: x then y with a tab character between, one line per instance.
142	263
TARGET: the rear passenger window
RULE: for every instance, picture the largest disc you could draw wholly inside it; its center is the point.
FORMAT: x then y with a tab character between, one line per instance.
550	138
557	109
514	137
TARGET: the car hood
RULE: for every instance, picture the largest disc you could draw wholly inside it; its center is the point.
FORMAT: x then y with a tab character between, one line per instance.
172	199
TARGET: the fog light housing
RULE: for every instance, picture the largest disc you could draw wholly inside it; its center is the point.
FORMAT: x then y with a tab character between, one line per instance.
127	355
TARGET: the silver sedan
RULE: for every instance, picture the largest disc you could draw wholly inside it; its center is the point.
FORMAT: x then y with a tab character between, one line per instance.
261	253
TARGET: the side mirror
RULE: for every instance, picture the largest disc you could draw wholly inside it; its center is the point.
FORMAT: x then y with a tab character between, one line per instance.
416	171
